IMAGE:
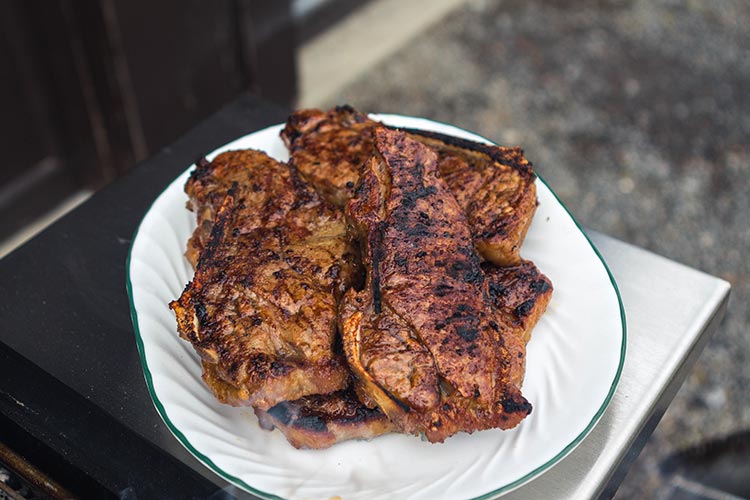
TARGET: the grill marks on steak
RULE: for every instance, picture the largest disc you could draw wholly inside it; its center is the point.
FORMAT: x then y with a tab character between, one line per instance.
421	337
208	185
247	202
261	310
520	293
329	149
322	420
493	185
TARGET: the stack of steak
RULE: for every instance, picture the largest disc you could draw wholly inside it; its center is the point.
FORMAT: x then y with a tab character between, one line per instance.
373	284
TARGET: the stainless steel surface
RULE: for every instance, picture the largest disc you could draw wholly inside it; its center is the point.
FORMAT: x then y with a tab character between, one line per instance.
671	311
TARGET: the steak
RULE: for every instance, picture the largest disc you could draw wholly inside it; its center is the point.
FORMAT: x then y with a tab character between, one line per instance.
494	185
520	293
422	337
273	261
435	340
209	184
329	148
320	421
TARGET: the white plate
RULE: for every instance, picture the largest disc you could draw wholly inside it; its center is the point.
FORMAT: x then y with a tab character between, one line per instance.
574	361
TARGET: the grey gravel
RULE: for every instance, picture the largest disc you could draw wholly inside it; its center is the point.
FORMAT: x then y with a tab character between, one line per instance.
637	113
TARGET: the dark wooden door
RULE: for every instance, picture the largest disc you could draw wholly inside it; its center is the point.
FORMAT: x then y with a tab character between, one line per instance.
91	87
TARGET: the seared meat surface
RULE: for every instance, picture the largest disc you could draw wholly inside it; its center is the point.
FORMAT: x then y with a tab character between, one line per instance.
520	293
320	421
421	338
209	184
435	339
329	148
494	185
261	310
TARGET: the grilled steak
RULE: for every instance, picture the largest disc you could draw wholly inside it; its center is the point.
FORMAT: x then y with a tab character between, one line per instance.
320	421
435	340
329	148
493	185
520	293
421	338
209	184
261	310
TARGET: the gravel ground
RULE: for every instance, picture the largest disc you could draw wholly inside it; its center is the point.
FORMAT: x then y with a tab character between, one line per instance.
637	113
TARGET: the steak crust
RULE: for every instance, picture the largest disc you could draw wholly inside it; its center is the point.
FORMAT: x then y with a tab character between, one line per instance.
321	421
329	148
209	183
494	185
520	293
421	337
265	326
261	310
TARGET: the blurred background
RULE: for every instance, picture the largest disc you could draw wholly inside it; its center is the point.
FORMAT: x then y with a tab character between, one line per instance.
637	113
